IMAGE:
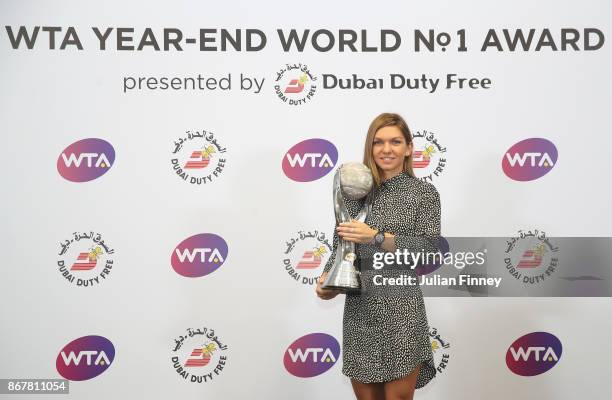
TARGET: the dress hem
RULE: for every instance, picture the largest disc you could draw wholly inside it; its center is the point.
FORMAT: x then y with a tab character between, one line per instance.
428	362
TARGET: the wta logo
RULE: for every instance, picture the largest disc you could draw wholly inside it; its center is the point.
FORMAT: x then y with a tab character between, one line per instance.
85	358
529	159
311	355
199	255
533	354
86	160
310	160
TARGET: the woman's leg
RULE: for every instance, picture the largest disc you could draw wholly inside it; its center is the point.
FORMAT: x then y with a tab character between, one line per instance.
403	388
368	391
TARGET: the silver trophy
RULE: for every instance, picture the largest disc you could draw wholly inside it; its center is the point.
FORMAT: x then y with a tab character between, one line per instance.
354	180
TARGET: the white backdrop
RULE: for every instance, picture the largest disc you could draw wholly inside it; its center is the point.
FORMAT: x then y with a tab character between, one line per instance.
53	98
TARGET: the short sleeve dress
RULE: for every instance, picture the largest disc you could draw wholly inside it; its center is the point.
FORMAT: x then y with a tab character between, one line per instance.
386	337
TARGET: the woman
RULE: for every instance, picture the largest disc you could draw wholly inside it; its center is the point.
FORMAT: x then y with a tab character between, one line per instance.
386	347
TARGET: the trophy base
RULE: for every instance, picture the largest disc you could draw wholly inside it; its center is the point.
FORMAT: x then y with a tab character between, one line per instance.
343	277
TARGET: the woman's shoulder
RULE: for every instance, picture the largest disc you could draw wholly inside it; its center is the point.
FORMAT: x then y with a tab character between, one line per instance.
423	194
419	187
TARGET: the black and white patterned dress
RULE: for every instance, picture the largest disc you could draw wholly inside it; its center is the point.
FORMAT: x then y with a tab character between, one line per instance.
386	336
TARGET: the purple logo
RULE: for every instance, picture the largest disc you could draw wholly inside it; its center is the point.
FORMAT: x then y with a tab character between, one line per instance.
86	160
311	355
199	255
310	160
529	159
428	268
85	358
533	354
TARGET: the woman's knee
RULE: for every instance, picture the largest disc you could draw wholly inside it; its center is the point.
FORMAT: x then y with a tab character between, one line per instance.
368	391
403	388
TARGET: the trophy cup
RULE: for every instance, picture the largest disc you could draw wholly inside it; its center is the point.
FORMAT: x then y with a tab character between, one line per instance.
355	181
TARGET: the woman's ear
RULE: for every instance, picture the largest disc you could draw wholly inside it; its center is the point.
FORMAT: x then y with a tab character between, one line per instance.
409	149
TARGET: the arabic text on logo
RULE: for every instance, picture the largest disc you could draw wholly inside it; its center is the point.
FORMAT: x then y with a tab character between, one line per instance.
428	158
305	255
199	355
198	157
86	260
440	348
295	84
531	257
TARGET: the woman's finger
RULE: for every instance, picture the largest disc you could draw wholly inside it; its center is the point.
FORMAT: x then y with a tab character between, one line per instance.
353	238
352	231
326	296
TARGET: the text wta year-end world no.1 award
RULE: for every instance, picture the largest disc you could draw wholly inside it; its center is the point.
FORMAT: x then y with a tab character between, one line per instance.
354	180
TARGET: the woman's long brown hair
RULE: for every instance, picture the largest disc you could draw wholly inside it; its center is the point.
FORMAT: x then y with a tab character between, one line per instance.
383	120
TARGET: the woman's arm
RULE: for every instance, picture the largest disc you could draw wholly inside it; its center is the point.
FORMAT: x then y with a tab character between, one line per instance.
427	228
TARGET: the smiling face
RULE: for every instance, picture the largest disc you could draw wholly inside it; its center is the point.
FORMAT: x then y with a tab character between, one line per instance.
389	150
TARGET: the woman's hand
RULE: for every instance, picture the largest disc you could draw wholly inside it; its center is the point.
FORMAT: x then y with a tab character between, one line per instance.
356	231
325	294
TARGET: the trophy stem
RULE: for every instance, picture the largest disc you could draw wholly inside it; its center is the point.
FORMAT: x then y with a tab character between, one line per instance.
343	275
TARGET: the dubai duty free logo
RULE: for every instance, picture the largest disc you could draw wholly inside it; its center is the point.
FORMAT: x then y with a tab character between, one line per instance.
85	259
295	84
305	255
85	358
199	355
428	157
529	159
199	255
440	349
533	354
198	158
531	257
311	355
86	160
310	160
